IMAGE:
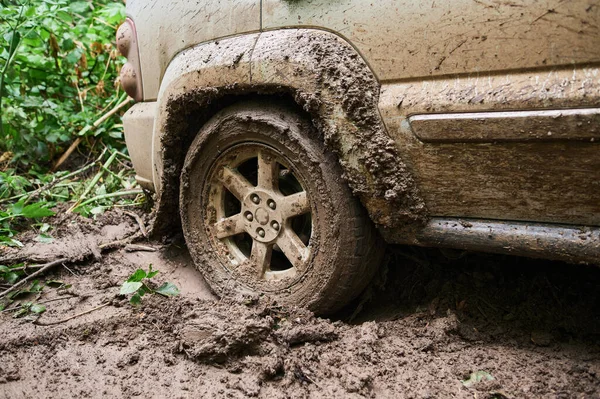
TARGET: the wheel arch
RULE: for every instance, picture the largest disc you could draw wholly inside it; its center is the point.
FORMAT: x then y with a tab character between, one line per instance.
324	77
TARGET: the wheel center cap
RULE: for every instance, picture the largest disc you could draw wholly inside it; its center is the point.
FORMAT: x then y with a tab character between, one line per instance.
262	219
262	216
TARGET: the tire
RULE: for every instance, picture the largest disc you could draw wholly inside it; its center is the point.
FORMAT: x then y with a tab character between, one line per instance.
264	210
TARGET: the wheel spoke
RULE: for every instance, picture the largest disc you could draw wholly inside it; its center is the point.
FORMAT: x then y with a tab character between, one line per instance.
235	182
268	171
292	247
295	205
229	226
261	256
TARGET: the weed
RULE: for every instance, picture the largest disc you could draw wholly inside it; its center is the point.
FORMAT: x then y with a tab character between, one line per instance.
58	71
16	213
112	185
139	284
30	309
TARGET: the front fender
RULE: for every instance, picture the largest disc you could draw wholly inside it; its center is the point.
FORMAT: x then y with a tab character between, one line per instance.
325	75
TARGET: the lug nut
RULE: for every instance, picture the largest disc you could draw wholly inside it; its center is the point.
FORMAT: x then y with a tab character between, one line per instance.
275	225
260	232
255	198
249	216
271	204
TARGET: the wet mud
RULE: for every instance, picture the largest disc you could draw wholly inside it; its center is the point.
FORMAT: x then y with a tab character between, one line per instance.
430	325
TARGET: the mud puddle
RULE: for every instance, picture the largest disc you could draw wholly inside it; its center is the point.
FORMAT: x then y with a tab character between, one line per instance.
433	324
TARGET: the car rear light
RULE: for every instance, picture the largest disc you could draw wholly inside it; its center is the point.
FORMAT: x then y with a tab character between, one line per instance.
131	74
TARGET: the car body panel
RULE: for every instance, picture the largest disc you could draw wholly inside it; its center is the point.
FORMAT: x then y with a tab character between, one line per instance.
164	28
139	125
408	39
210	65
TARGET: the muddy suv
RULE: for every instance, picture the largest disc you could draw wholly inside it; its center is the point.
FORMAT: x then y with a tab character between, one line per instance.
290	139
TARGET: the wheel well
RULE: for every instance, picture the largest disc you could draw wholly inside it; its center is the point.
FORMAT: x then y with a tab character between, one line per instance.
183	124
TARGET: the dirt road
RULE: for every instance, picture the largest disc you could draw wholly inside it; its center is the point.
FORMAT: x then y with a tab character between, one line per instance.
433	325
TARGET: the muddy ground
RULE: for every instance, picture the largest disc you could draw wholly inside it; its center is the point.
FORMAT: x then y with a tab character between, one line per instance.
429	325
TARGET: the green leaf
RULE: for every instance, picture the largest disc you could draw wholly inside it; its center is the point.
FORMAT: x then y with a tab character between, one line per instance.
79	6
37	308
35	211
4	269
68	45
11	277
36	286
97	210
151	273
21	312
135	300
168	289
138	275
74	56
144	290
130	287
11	242
17	209
476	377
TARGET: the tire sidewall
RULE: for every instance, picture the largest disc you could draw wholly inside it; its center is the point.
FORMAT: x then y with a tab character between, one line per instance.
320	174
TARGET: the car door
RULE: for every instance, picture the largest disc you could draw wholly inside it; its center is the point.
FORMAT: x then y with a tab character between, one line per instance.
494	104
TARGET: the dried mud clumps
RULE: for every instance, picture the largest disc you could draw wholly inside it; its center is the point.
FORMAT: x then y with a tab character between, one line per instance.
372	166
231	331
186	113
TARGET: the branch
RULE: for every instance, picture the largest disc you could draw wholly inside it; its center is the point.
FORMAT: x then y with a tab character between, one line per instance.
52	323
34	274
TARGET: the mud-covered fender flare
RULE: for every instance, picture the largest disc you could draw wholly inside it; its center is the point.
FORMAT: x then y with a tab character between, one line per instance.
325	75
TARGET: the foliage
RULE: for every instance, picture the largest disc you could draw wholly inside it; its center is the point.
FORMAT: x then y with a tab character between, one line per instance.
30	200
29	308
58	74
19	211
138	285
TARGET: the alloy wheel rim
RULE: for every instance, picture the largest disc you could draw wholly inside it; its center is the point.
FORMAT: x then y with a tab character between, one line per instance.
260	212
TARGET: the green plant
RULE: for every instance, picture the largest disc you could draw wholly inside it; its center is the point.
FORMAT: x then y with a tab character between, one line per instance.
30	308
139	284
58	73
17	212
11	275
112	185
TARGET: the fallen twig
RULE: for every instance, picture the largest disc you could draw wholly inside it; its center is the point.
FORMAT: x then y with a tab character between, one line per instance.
110	195
66	154
18	258
119	243
52	323
24	268
136	247
44	267
20	305
139	221
34	274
